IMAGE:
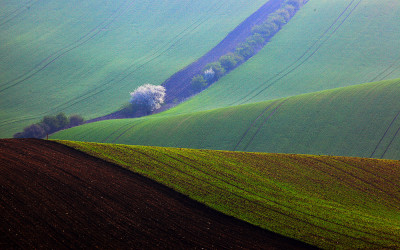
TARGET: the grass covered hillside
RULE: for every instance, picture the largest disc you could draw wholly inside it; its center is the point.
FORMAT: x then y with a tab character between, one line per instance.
329	202
362	120
86	56
328	44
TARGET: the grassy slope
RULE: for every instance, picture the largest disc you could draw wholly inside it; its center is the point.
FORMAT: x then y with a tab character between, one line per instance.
328	44
329	202
86	56
360	120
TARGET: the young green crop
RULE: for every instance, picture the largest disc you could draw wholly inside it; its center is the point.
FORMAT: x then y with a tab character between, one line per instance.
86	56
330	202
327	44
360	120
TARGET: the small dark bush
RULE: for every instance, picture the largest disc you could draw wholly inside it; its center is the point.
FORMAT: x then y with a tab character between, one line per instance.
198	83
75	120
277	19
55	123
290	9
217	68
295	3
32	131
284	13
229	61
266	30
255	41
50	124
245	50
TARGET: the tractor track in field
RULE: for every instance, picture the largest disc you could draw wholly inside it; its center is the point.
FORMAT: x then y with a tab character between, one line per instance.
369	172
384	135
14	14
392	66
124	132
53	196
129	71
300	59
265	198
363	181
262	125
158	53
252	124
65	50
115	132
178	85
238	35
297	159
390	143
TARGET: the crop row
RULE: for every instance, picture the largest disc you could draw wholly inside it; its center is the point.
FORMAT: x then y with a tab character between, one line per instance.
316	199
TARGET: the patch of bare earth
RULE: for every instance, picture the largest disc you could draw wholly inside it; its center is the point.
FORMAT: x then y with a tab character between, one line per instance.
53	196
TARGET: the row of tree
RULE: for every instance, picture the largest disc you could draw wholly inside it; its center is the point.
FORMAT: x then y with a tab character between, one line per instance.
259	37
50	124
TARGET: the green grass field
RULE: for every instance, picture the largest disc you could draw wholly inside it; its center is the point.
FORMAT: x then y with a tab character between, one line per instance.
328	44
330	202
361	120
86	56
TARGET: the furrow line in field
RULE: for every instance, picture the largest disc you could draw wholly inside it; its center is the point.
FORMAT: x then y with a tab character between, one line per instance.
391	72
393	65
103	87
161	51
369	172
240	101
262	125
17	12
348	183
61	52
390	143
155	55
113	133
91	93
252	124
196	187
362	180
269	200
308	57
384	135
334	176
177	84
119	136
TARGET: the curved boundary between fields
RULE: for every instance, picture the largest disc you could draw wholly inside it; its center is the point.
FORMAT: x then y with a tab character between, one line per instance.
65	50
159	52
252	124
246	99
266	198
384	135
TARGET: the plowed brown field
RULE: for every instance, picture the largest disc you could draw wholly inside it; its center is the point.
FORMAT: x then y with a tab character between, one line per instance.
53	196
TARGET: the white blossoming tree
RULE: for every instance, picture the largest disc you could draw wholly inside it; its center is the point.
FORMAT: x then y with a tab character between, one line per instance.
148	97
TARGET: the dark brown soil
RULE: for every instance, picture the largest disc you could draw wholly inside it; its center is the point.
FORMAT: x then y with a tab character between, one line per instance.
52	196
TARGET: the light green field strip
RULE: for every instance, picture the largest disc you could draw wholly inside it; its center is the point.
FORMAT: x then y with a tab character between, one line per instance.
330	202
328	44
86	56
362	120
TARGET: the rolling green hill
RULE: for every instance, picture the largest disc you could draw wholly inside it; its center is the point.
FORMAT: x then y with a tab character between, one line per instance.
330	202
361	120
86	56
328	44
